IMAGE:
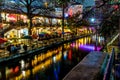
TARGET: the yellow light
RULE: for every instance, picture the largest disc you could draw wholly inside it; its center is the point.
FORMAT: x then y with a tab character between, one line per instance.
46	4
22	63
23	73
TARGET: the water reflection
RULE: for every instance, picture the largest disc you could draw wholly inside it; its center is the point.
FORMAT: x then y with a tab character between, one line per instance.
52	64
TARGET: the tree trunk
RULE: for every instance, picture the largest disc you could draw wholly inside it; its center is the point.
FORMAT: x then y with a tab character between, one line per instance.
30	26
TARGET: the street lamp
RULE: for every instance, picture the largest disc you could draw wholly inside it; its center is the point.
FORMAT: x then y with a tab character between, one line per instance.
93	20
63	4
63	21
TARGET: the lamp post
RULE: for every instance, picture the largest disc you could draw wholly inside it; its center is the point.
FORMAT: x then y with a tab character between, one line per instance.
119	20
63	4
93	20
63	21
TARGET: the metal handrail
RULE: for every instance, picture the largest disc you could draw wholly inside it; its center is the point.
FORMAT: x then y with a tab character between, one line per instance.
109	66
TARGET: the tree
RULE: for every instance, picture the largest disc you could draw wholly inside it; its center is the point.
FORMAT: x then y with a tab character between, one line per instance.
1	5
73	21
62	4
110	23
31	8
77	22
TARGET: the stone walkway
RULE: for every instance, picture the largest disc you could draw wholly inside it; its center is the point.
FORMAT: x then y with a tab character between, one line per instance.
90	68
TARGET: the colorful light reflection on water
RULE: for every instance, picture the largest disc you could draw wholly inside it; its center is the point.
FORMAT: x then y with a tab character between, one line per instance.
86	45
90	47
53	64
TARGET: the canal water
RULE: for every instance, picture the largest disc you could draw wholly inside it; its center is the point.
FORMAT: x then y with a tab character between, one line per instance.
52	64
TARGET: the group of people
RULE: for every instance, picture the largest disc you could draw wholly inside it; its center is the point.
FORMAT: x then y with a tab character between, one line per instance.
15	48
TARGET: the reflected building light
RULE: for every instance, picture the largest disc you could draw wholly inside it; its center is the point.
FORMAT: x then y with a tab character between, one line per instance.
76	46
89	47
43	66
22	64
55	74
82	41
8	71
16	69
54	59
23	73
89	40
73	44
85	41
58	70
65	55
35	56
70	54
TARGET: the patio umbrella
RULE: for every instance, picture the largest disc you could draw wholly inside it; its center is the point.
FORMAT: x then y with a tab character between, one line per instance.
15	38
34	36
2	40
42	34
27	37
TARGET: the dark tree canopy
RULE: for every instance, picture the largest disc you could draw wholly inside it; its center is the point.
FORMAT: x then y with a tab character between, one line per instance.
110	23
31	8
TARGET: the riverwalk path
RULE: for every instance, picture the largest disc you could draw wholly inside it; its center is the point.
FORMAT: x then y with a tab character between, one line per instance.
92	67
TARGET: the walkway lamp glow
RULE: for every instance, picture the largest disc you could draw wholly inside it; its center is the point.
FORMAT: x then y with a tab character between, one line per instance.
96	42
92	20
